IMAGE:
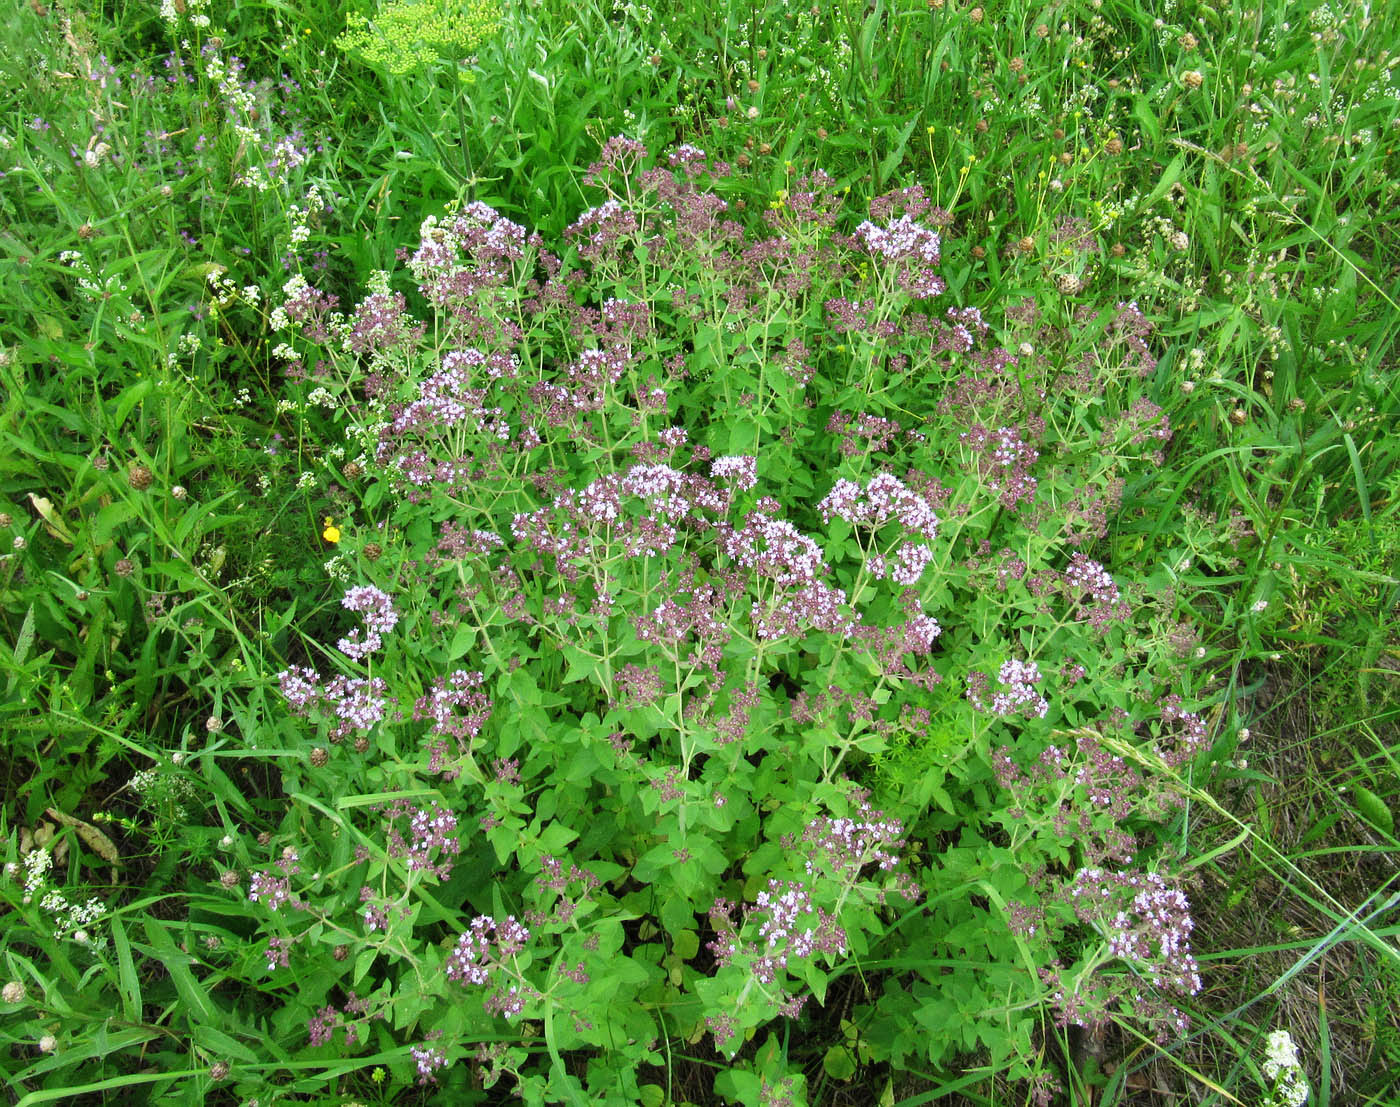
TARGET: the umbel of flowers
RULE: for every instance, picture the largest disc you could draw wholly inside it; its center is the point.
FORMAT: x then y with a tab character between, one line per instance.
728	592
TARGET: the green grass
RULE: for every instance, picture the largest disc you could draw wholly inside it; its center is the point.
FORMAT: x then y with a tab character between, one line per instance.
1232	168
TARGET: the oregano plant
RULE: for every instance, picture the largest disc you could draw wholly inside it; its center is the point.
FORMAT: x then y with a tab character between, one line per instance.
716	605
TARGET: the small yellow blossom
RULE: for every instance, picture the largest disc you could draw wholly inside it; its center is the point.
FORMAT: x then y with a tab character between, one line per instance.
332	532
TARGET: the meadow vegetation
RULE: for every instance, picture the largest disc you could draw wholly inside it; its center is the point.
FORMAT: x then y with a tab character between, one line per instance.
688	553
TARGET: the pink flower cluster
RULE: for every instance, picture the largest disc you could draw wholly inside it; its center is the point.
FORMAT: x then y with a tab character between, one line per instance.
913	250
1147	922
380	618
1019	696
431	832
884	498
475	252
1004	459
480	959
1105	604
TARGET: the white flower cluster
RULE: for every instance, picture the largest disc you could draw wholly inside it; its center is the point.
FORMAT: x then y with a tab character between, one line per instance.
1281	1065
69	918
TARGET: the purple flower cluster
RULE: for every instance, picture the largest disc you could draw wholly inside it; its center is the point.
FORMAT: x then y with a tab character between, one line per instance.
788	920
1183	733
1004	458
479	958
1019	696
912	250
455	705
638	686
431	831
789	927
380	618
273	891
321	1026
458	260
886	498
1147	922
1105	604
429	1060
848	845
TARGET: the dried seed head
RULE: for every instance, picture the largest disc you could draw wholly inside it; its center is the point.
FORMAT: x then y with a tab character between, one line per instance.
340	953
753	86
1118	249
976	15
124	567
13	992
822	133
1238	416
219	1070
48	1043
361	744
1058	133
86	231
1069	284
1066	157
982	127
353	469
1017	64
229	879
1188	387
1193	79
1042	31
265	838
1188	41
213	724
1114	146
1026	245
763	53
139	477
6	519
742	161
765	148
979	252
178	492
319	757
373	551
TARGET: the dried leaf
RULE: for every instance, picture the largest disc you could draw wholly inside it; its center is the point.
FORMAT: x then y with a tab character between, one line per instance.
52	520
93	838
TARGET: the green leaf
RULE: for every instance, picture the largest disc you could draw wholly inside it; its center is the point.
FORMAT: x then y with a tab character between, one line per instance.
1373	809
193	994
839	1063
686	944
128	983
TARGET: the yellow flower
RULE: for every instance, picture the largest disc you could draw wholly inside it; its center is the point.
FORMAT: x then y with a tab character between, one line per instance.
332	532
